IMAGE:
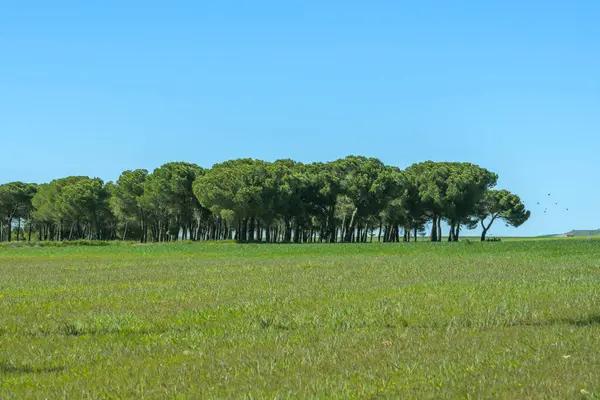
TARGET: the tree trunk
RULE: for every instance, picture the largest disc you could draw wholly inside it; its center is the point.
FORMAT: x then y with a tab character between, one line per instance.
330	226
287	234
244	230
439	229
251	230
297	232
71	230
483	233
451	232
258	231
457	232
350	230
486	228
433	236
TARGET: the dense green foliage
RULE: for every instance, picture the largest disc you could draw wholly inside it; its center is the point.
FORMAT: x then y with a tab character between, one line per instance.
350	200
466	320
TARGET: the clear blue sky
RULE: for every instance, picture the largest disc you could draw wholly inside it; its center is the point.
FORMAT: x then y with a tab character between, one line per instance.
94	89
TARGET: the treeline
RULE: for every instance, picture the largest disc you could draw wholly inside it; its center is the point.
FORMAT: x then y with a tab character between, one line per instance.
355	199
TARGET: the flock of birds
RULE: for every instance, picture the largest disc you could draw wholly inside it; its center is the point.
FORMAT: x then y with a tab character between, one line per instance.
546	208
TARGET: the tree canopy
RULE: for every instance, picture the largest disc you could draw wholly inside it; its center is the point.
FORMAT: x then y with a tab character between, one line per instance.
353	199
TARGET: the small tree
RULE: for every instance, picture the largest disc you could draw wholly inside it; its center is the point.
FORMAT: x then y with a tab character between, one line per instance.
504	205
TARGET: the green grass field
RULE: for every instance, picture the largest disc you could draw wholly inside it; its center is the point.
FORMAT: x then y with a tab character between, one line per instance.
518	319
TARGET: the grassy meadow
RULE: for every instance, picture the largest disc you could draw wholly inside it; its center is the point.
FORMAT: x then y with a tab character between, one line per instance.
514	319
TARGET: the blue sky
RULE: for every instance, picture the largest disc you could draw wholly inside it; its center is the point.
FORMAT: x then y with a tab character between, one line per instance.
94	88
